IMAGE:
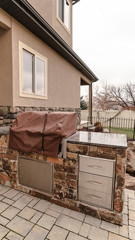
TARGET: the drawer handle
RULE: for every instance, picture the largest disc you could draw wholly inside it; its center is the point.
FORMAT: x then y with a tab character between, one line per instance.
94	182
93	196
94	166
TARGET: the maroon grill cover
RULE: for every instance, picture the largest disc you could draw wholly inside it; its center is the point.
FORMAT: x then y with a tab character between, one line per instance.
41	132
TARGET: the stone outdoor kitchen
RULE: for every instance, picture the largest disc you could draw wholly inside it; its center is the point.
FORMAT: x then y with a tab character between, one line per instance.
88	174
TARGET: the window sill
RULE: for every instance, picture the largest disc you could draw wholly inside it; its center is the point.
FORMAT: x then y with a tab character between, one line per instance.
34	96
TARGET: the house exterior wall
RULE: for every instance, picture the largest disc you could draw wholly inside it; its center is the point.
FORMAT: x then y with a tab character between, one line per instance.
44	9
48	10
5	67
63	78
59	27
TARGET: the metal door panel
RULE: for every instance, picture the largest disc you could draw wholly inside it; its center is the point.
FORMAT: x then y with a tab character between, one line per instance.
36	174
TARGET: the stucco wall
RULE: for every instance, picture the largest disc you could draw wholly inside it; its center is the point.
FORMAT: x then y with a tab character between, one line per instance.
59	27
44	8
5	67
48	10
63	78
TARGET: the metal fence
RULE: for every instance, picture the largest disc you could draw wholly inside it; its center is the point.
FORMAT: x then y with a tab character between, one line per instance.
118	125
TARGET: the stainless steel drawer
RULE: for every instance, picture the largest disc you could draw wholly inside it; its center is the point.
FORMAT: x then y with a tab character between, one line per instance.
94	182
95	197
99	166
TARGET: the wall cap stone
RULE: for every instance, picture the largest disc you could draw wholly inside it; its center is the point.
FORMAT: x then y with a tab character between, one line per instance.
4	130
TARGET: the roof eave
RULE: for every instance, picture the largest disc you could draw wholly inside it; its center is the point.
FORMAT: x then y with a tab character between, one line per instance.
75	1
24	13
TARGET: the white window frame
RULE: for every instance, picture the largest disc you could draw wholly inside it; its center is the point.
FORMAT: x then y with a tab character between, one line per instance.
68	28
36	55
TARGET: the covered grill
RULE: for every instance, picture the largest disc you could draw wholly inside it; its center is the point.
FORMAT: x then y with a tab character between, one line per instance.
41	132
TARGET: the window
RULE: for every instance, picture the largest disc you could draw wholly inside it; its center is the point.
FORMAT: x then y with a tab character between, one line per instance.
64	7
33	73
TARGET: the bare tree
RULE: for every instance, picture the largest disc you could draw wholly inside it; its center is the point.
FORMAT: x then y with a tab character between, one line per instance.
102	98
123	96
111	97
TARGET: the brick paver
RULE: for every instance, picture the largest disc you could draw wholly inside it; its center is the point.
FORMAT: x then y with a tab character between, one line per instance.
97	233
85	229
46	221
11	193
42	205
23	217
27	213
3	206
3	231
3	221
124	231
14	236
110	227
36	217
20	226
73	236
93	221
69	223
57	233
37	233
77	215
113	236
23	201
132	204
132	232
10	212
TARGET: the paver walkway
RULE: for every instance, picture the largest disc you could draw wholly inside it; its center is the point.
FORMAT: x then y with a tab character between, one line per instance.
23	217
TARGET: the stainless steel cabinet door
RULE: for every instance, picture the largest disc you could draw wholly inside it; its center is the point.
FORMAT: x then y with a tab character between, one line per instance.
36	174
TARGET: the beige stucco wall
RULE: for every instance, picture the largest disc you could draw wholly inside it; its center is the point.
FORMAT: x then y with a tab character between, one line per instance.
44	8
48	10
5	19
59	27
63	78
5	67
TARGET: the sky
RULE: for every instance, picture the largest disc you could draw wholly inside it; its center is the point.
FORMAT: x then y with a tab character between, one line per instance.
104	37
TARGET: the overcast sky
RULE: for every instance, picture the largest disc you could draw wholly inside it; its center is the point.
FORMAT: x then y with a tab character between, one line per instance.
104	37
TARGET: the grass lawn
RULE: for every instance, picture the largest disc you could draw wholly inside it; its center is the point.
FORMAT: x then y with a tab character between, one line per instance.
128	132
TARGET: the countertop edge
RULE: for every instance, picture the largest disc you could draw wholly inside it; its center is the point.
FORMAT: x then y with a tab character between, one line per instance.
96	144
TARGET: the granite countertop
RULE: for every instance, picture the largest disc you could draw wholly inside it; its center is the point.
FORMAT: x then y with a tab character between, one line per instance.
99	139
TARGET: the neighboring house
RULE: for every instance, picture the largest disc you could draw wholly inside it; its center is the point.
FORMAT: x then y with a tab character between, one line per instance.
38	68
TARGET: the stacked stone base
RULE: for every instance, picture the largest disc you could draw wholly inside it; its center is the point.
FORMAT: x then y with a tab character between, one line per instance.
65	191
8	114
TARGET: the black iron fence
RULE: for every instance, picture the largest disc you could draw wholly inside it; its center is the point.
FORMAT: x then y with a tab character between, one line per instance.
118	125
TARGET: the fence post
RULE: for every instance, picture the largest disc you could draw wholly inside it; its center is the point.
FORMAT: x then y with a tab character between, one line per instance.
110	124
134	131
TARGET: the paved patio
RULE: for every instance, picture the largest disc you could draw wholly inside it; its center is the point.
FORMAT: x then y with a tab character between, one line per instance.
23	217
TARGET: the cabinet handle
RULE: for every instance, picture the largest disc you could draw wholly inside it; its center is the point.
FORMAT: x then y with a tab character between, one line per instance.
94	166
93	196
94	182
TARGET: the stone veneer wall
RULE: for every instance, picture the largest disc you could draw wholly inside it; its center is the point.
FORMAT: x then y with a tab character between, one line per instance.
8	114
66	177
66	180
